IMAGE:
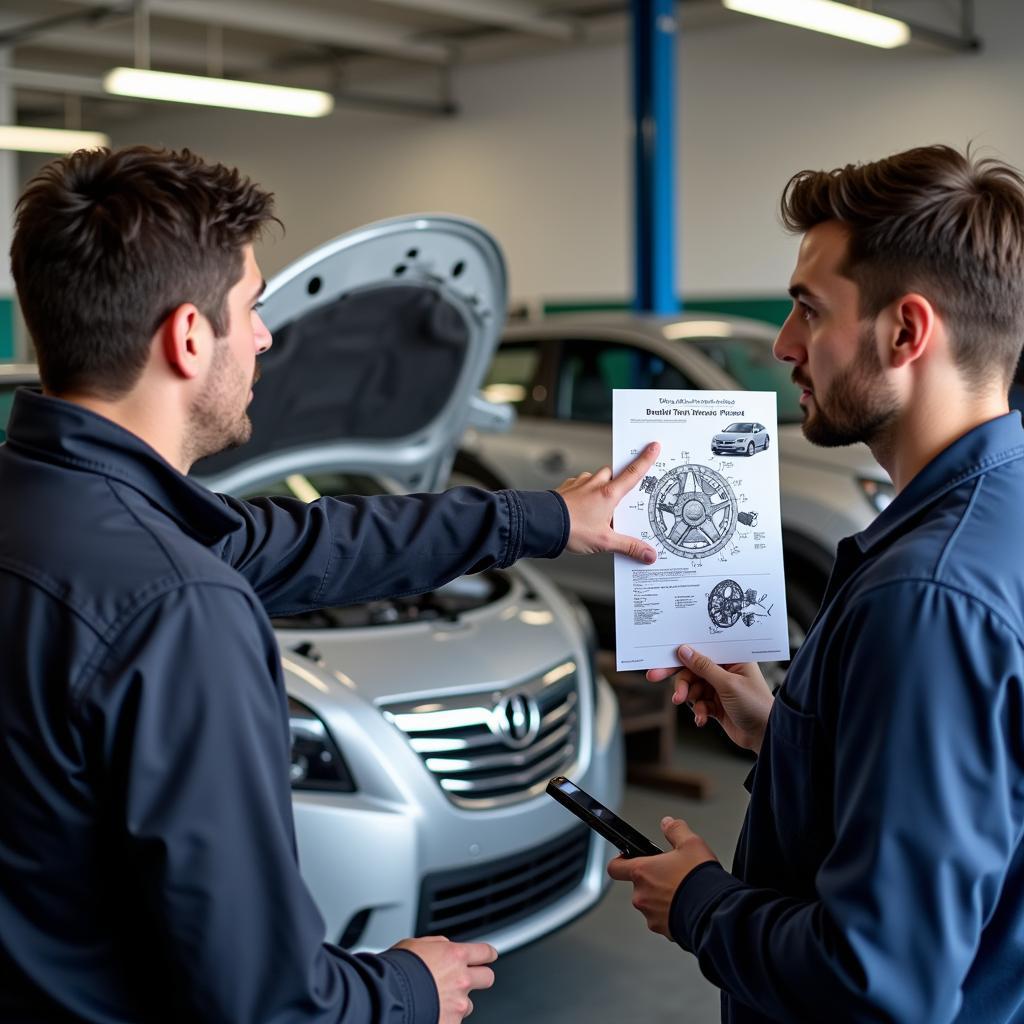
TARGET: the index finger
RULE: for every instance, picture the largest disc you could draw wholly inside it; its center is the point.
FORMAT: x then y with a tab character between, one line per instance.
634	472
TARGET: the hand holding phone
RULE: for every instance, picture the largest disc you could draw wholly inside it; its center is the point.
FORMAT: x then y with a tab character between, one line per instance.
603	821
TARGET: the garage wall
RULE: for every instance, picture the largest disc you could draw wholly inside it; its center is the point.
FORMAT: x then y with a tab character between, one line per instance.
540	152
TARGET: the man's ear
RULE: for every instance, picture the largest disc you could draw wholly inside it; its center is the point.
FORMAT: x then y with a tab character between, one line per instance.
181	338
913	327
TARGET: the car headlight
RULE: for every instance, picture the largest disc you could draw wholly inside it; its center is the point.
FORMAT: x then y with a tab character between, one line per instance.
878	493
586	622
316	761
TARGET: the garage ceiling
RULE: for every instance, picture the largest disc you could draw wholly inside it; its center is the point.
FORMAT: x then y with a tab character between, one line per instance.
356	49
62	47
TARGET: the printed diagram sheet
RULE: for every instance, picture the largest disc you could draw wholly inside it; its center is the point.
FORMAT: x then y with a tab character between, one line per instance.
710	506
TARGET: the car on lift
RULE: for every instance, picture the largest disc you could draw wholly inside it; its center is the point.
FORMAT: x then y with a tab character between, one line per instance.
559	373
424	727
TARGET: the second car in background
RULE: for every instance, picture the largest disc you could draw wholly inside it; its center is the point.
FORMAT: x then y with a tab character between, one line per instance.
559	374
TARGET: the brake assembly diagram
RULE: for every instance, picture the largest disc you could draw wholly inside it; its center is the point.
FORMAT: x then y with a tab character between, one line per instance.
728	603
693	511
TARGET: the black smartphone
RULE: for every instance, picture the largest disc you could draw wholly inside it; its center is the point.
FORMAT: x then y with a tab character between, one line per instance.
604	822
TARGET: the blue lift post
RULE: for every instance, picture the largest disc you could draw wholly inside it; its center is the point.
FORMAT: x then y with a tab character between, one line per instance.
654	113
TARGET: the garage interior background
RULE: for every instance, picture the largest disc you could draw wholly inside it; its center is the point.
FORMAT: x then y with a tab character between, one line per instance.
539	150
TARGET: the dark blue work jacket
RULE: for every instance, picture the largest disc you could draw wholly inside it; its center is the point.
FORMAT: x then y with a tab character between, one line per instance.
147	852
880	870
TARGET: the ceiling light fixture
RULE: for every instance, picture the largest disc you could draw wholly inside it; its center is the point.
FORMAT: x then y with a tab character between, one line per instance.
23	139
834	19
217	92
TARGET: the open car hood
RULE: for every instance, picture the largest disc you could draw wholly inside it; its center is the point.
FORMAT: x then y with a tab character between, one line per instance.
382	339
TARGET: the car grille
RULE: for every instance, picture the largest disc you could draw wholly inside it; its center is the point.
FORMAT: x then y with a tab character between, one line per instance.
468	902
497	747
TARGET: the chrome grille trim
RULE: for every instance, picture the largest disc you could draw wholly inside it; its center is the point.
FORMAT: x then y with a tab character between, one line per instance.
513	759
466	745
524	778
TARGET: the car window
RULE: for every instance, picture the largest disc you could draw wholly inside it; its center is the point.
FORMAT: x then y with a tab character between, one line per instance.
513	377
6	401
590	370
311	486
1017	387
751	363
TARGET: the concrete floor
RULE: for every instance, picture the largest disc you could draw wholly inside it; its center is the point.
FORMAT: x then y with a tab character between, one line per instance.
607	967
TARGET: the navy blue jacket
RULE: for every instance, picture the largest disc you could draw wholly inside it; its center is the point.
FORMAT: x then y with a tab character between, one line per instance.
880	870
147	853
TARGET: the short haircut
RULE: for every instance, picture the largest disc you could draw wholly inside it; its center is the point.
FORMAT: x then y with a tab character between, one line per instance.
938	222
107	244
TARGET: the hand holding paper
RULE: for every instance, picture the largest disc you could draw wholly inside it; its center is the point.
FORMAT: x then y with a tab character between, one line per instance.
736	696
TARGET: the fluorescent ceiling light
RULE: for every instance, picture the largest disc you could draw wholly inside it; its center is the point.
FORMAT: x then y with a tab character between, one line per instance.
217	92
48	140
835	19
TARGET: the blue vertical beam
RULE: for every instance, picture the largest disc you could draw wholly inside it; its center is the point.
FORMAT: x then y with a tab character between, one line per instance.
654	162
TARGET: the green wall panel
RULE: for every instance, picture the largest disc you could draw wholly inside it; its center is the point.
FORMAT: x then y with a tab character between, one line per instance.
772	309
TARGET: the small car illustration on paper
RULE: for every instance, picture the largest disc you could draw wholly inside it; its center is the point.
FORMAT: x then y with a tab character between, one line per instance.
743	437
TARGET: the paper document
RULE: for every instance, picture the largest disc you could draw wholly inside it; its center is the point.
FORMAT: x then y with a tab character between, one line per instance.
710	506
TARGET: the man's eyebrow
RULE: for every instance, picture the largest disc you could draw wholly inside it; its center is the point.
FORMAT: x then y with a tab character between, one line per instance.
262	288
800	291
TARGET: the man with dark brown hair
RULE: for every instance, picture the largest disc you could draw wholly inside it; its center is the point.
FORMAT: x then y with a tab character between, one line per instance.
147	852
880	871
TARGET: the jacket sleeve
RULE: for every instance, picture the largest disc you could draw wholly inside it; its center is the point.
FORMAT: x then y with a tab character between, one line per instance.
336	551
928	809
189	714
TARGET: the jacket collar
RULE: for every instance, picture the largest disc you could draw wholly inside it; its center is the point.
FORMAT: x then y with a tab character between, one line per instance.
988	445
64	433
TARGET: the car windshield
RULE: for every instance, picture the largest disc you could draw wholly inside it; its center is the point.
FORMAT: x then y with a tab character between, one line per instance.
739	428
751	363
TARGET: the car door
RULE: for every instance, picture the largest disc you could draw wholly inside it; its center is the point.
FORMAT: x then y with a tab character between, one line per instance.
520	376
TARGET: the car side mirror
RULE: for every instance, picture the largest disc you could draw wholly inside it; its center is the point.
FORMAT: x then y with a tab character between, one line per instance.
490	417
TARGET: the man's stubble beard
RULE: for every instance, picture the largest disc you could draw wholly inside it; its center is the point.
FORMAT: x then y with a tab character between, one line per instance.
218	419
859	404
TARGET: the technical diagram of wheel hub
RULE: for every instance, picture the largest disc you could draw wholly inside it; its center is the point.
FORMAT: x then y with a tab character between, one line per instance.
728	602
693	511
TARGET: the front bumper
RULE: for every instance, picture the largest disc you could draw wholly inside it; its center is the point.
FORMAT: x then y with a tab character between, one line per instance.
385	862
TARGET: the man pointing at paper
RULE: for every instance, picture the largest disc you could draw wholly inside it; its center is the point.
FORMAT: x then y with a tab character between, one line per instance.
880	868
148	859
